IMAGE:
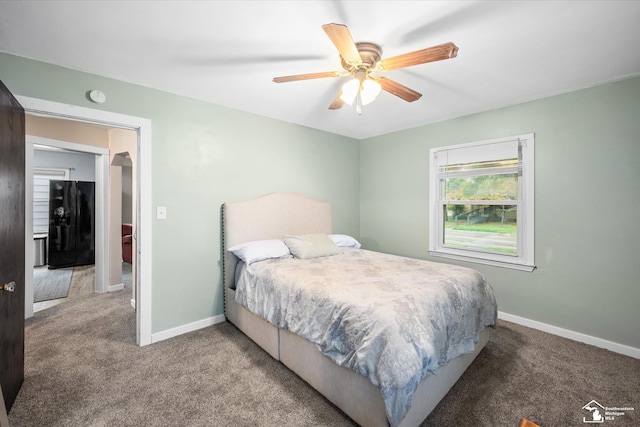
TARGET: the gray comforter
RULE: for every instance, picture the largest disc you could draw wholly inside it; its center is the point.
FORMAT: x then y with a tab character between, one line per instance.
392	319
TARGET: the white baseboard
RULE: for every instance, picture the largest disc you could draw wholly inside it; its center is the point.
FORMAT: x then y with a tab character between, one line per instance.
174	332
565	333
572	335
133	303
113	288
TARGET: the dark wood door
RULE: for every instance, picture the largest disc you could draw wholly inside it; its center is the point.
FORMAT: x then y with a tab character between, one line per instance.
12	240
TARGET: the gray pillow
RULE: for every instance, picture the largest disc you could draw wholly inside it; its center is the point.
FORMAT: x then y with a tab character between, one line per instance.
308	246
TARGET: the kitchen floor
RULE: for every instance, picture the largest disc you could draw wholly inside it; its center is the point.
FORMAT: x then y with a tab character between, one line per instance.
83	283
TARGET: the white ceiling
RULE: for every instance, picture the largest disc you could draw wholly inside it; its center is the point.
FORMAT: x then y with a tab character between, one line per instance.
227	52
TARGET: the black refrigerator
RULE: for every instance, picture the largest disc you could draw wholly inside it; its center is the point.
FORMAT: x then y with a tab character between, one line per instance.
71	239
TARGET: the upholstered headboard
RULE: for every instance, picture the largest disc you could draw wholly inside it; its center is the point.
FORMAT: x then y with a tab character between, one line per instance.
269	217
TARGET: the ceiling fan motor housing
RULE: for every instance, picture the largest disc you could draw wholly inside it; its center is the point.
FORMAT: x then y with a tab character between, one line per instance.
370	53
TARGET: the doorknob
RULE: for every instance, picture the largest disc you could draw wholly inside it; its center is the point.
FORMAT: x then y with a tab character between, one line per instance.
9	287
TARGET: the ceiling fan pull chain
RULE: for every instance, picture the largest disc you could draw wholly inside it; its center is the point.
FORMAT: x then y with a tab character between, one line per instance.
360	75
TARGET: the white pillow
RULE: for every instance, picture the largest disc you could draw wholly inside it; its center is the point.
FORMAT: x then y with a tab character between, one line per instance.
344	241
308	246
259	250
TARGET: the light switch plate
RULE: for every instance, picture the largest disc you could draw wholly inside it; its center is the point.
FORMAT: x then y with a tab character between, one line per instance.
161	212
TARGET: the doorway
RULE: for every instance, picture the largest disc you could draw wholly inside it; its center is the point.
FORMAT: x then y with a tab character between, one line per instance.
101	171
142	129
55	160
123	209
53	286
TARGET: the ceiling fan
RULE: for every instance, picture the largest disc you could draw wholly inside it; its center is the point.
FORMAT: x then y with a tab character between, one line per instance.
363	58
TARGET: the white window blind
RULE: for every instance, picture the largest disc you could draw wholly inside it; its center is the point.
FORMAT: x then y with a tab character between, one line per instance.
491	159
41	178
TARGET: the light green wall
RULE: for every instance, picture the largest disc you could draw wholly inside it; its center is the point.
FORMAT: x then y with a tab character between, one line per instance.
587	219
587	180
204	155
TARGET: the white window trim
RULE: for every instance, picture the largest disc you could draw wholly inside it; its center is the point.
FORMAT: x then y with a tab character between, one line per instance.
525	214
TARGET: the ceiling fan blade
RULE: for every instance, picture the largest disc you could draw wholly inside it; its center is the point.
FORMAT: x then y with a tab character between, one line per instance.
430	54
337	103
309	76
397	89
341	38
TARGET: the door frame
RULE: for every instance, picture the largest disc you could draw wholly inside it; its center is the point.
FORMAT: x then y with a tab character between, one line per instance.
102	210
142	127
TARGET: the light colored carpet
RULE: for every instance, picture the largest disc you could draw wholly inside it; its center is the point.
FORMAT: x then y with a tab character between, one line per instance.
51	284
82	368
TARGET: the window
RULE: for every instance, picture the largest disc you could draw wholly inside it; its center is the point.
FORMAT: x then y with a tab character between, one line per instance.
41	178
481	202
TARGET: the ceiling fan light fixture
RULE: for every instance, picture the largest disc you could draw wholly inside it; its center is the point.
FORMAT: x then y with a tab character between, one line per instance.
350	90
368	91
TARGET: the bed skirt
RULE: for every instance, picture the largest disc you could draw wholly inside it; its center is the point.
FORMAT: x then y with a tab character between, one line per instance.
353	393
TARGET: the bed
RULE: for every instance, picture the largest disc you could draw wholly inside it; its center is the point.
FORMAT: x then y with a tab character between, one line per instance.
361	388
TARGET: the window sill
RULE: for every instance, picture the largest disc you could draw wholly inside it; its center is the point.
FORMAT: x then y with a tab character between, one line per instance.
494	263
